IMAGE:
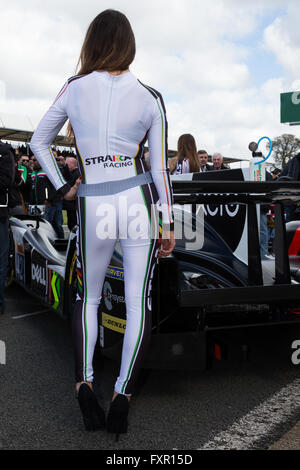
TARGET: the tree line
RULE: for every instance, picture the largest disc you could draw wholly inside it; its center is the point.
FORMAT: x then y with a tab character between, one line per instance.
285	147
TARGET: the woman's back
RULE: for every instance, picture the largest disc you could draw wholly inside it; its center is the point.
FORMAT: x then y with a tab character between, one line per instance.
110	117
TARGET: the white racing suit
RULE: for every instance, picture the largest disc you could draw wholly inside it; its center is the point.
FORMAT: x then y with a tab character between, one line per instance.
112	118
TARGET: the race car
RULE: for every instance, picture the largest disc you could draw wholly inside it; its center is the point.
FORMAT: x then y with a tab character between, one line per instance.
214	282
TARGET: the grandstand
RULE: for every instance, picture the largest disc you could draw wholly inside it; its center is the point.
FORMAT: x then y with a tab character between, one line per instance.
20	129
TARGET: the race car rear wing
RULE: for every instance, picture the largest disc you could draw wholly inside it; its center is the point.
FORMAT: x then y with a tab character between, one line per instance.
249	193
235	191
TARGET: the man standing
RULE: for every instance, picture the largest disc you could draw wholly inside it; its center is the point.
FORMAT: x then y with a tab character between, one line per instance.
62	164
42	191
70	206
54	210
217	160
7	177
203	158
25	173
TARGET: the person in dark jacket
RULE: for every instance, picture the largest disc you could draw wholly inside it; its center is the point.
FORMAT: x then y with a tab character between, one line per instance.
203	159
7	176
62	164
70	206
18	207
218	164
25	172
54	210
291	172
43	192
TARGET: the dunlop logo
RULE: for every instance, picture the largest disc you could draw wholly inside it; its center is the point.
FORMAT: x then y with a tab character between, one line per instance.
113	323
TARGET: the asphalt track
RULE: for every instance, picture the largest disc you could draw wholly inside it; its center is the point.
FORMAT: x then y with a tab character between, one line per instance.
236	404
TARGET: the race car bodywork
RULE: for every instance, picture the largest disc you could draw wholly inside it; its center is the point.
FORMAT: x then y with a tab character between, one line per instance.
221	282
37	259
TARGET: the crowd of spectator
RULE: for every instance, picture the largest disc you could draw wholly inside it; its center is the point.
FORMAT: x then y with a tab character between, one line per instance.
26	150
189	160
34	187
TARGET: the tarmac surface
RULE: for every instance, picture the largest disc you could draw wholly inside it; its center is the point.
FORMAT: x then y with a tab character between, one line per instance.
181	410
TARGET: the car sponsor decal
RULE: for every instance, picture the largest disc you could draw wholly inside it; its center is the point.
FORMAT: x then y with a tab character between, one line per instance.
54	290
19	254
113	323
20	268
115	273
107	290
72	267
79	282
109	298
20	263
39	275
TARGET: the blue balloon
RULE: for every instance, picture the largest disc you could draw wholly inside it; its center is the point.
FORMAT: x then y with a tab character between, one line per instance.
271	147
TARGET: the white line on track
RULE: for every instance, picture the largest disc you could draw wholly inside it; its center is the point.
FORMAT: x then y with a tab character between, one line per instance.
30	314
259	422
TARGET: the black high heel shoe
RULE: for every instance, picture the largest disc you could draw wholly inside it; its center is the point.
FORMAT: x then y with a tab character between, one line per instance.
92	413
117	416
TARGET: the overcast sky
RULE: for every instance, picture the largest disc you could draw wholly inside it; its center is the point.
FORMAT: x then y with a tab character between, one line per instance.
220	65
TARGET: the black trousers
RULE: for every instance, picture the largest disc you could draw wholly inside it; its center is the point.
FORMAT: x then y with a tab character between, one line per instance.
72	221
4	245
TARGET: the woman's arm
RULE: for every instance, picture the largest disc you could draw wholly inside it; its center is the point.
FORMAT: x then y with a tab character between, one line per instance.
44	135
158	148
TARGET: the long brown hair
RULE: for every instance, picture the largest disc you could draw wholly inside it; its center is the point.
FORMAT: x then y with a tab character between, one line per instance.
186	148
109	45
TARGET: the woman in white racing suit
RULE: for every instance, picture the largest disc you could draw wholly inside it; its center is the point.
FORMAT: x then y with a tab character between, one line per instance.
111	116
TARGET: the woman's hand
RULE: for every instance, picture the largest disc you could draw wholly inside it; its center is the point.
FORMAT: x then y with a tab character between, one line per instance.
71	195
167	244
